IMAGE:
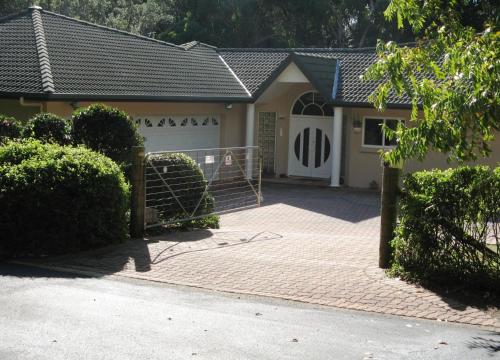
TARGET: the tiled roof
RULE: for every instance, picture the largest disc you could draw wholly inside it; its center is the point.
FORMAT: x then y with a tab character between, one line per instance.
19	63
255	67
91	61
353	64
320	71
51	56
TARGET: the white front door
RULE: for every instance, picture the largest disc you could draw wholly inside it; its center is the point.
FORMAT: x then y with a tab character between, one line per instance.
310	146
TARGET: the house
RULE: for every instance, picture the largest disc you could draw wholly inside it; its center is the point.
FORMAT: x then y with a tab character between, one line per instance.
306	108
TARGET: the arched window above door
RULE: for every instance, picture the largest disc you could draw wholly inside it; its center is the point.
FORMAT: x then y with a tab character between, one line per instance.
312	103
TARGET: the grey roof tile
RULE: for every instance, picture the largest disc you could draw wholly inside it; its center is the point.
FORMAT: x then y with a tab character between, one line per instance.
19	63
319	70
256	66
52	56
43	54
253	68
88	60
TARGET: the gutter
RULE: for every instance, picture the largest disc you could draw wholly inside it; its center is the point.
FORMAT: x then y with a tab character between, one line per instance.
39	105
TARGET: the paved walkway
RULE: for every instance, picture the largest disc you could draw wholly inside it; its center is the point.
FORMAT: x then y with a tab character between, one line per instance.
315	245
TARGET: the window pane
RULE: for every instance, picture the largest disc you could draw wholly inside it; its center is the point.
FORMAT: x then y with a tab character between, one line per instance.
328	110
296	147
305	149
313	109
373	132
297	108
318	99
307	98
327	148
317	150
391	124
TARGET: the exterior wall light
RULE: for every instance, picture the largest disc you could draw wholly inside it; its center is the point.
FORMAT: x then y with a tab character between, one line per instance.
357	125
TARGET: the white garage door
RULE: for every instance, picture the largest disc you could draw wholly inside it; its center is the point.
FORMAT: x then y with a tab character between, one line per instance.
164	133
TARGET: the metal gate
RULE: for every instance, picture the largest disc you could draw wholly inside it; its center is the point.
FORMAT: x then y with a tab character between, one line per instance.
218	181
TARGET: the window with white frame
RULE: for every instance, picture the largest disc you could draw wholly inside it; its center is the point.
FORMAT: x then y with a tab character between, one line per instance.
374	134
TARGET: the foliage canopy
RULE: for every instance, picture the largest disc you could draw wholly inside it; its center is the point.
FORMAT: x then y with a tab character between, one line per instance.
236	23
57	199
48	127
447	219
107	130
452	76
10	128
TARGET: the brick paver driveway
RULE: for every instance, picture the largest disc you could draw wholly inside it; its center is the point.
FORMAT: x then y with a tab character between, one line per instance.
315	245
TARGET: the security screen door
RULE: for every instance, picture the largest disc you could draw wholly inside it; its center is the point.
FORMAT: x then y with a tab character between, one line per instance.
267	141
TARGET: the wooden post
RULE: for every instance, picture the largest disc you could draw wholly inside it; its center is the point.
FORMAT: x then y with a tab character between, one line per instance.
388	213
137	205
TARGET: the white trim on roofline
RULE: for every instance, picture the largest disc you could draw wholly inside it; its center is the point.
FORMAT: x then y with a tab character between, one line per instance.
236	77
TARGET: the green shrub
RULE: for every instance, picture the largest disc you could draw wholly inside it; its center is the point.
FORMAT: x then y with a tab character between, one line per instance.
107	130
445	220
10	128
48	127
185	194
57	199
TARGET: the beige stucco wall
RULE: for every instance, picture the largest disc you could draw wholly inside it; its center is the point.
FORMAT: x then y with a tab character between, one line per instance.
14	108
232	120
364	165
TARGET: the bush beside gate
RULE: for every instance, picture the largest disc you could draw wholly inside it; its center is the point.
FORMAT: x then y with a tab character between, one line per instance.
446	219
107	130
56	199
176	191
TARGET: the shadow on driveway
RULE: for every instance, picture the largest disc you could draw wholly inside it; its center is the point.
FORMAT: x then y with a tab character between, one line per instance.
349	205
138	255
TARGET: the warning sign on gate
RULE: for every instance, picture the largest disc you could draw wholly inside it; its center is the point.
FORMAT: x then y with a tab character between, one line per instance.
209	159
228	179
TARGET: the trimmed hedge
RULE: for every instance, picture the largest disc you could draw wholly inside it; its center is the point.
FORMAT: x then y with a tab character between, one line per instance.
107	130
56	199
187	182
10	128
48	127
446	217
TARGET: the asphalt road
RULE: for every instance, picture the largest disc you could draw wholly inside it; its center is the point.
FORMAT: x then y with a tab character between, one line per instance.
50	315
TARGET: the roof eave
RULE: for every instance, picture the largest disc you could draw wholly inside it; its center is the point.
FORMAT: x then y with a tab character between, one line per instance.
367	104
96	97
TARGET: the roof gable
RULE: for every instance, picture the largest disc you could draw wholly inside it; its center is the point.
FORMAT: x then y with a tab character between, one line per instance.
292	74
257	68
320	71
254	68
